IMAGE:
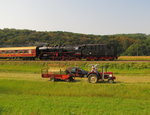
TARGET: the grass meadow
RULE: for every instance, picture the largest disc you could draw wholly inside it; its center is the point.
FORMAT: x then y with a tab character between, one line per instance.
24	92
135	58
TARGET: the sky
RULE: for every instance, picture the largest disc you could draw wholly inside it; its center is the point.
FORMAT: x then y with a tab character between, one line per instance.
100	17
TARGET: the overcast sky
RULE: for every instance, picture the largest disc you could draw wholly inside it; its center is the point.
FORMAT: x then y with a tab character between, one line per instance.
79	16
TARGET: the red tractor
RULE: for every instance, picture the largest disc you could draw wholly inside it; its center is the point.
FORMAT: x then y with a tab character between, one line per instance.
68	74
94	76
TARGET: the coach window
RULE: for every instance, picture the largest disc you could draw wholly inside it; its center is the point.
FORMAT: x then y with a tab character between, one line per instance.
26	51
16	51
3	52
23	51
6	51
30	51
20	51
11	51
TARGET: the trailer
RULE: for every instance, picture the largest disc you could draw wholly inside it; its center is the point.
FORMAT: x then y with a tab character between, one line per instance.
55	73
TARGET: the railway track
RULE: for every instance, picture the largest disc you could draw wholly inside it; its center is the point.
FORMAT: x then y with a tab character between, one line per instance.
73	61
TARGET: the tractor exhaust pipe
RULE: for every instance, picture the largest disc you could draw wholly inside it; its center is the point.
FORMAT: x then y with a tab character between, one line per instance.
103	72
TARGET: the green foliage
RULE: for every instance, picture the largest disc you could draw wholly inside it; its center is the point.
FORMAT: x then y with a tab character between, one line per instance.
141	48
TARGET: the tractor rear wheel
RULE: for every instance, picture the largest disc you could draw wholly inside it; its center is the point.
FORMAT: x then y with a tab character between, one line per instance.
93	78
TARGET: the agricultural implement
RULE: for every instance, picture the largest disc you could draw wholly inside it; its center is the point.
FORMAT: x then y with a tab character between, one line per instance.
56	73
69	74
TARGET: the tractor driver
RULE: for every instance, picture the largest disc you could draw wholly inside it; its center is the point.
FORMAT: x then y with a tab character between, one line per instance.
94	69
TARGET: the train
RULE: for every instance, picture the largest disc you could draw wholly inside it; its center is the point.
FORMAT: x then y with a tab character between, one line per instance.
80	52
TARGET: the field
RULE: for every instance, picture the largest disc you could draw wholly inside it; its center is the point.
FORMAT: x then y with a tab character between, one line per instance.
139	58
24	92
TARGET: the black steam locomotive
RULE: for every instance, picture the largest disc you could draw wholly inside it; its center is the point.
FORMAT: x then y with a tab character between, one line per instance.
81	52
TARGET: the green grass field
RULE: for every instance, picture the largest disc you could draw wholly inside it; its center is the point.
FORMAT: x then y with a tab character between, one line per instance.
24	92
143	58
35	66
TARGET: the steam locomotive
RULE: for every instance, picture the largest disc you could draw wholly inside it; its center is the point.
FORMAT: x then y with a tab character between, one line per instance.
80	52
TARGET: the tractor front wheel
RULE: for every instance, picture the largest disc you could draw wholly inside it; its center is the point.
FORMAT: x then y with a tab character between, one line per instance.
110	81
93	78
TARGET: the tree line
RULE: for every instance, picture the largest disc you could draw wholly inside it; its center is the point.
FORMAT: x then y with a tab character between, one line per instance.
127	44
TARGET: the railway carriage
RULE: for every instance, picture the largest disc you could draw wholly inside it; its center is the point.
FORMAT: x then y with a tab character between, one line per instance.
18	52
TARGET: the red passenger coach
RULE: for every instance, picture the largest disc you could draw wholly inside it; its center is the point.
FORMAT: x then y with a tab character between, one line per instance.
18	52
